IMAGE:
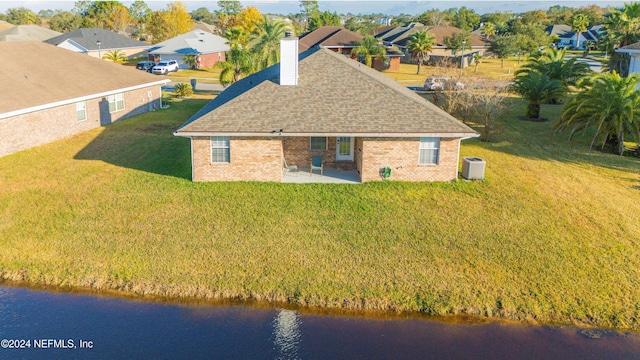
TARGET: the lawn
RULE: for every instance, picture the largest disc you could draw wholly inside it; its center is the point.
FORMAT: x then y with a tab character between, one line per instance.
551	235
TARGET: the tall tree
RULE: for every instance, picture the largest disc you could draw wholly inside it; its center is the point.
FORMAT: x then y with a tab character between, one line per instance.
624	24
248	18
237	65
503	46
608	102
488	29
455	41
323	18
579	23
65	21
140	16
309	9
169	23
536	88
466	19
420	44
432	18
266	41
203	14
368	49
229	7
236	37
22	16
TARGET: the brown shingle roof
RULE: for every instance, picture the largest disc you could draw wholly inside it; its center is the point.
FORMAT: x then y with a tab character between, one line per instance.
69	75
439	33
27	33
334	95
332	36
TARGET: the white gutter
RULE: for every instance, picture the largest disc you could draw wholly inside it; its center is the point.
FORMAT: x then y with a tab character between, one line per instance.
78	99
334	134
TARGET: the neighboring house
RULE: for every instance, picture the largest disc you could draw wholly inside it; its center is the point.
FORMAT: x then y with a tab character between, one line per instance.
41	104
634	56
322	103
568	38
5	25
201	25
27	33
399	36
208	48
342	40
96	42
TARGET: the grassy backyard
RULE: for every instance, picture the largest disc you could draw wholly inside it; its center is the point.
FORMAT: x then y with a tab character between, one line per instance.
551	235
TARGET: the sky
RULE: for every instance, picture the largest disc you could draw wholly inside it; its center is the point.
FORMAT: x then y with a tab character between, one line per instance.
341	6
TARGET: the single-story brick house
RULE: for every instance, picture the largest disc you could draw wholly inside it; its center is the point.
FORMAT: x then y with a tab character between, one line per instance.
96	42
208	49
322	103
343	40
399	36
41	104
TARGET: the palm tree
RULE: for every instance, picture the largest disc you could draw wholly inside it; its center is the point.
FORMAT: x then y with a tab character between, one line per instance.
238	64
369	48
236	37
191	60
579	24
536	88
477	58
624	25
116	56
488	30
610	103
551	62
266	41
420	44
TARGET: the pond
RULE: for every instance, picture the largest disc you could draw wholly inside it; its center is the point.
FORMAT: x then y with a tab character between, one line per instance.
38	324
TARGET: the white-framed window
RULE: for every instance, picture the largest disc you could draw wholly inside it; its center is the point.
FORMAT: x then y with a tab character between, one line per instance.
429	150
116	102
220	149
318	143
81	110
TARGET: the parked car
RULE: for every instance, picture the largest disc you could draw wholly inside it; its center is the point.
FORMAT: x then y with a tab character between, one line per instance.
165	66
442	83
145	65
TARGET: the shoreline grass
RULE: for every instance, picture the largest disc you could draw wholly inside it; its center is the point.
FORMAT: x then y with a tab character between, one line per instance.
551	235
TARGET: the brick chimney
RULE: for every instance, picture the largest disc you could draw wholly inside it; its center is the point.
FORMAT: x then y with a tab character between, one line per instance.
289	60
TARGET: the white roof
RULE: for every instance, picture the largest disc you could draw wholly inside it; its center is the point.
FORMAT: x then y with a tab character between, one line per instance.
195	42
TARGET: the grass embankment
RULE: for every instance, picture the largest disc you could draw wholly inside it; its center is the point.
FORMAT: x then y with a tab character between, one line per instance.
552	235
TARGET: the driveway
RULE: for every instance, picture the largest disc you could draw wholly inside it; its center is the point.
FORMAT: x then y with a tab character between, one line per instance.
595	65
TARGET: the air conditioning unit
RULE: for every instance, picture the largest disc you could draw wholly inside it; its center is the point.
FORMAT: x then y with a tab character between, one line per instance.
473	168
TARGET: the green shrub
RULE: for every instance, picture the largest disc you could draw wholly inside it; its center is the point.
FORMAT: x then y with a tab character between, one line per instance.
183	90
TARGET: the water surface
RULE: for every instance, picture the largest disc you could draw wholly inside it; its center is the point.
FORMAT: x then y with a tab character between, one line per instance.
122	328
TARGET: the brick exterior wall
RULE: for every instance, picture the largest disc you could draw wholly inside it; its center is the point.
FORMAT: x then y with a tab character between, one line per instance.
210	60
251	159
297	152
41	127
260	159
401	154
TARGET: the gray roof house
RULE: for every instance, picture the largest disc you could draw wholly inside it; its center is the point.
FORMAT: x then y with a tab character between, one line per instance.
569	37
96	42
207	47
27	33
321	103
48	103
